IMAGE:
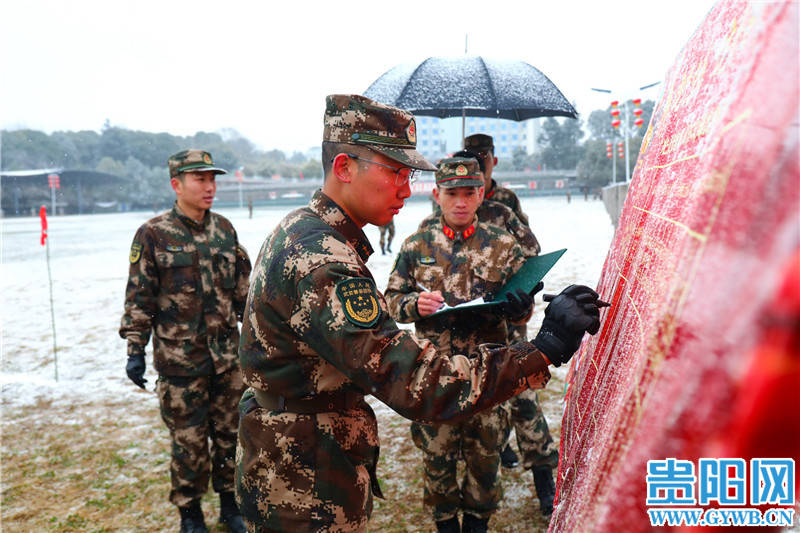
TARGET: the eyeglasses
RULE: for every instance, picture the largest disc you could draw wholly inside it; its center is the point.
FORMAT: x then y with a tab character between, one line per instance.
402	175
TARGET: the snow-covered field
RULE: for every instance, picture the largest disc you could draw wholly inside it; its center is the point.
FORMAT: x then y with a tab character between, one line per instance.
89	263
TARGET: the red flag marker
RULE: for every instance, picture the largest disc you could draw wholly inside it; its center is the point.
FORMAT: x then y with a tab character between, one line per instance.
43	216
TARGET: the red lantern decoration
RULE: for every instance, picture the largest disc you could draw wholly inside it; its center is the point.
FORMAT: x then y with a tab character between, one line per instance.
638	122
609	155
616	123
637	101
638	112
620	144
615	103
615	112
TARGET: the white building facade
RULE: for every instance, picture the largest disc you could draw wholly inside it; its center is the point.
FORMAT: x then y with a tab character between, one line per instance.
437	138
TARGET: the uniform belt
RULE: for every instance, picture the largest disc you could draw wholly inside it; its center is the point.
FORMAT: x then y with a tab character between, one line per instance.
322	402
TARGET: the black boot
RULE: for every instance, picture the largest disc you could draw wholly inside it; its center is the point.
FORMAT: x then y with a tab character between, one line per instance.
473	524
450	525
383	252
545	488
229	513
192	520
508	457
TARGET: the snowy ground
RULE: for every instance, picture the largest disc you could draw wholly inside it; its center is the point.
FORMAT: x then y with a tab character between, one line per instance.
89	265
89	262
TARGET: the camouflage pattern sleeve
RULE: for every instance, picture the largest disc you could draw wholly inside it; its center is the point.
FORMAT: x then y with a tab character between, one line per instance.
525	237
402	291
140	294
519	212
397	368
243	269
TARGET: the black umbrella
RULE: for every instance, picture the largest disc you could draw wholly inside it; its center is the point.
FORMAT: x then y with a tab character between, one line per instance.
471	86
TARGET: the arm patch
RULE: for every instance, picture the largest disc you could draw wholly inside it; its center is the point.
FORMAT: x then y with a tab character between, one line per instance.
136	252
359	300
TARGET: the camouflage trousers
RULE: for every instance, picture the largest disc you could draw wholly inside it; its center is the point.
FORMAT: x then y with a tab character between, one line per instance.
478	441
383	230
305	472
196	409
533	436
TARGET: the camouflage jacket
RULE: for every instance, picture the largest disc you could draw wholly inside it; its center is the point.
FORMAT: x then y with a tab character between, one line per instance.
188	284
497	214
463	266
315	322
507	198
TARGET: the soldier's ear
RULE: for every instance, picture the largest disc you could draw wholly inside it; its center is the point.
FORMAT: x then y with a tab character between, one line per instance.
342	168
177	185
436	195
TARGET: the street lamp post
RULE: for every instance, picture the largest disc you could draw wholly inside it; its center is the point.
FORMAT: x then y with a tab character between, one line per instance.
626	128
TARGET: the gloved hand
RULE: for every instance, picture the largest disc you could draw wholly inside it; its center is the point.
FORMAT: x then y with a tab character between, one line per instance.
135	368
518	304
572	313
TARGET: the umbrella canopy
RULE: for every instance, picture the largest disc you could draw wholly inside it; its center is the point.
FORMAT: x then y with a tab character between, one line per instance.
471	86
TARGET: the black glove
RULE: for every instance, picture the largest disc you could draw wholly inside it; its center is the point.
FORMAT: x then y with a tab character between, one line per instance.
518	304
135	369
572	313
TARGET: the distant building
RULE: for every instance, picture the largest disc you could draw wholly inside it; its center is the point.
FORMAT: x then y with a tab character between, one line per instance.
436	138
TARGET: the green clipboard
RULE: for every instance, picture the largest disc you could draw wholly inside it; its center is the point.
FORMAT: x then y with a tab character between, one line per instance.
526	278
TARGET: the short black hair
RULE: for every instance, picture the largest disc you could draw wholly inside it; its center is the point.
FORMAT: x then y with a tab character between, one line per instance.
329	151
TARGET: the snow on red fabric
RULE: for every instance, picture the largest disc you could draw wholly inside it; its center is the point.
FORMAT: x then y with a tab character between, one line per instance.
698	355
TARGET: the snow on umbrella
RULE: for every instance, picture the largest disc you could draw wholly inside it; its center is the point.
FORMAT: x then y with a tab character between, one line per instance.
471	86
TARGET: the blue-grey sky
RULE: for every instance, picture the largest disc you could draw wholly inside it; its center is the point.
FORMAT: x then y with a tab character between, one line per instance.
264	68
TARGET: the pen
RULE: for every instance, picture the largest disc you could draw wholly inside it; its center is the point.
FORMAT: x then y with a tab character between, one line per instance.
549	297
425	289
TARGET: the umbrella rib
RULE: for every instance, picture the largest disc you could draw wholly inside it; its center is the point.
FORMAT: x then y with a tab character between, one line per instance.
408	83
490	84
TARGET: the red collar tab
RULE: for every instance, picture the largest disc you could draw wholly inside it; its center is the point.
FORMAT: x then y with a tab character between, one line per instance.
451	234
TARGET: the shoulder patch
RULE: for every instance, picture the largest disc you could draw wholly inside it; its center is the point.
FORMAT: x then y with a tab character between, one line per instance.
136	252
359	301
427	260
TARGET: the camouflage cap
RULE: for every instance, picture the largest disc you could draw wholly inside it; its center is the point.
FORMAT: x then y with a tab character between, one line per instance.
196	160
355	119
459	172
479	142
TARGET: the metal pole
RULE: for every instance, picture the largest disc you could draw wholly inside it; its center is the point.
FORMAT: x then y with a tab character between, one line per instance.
52	312
625	134
53	197
241	201
613	163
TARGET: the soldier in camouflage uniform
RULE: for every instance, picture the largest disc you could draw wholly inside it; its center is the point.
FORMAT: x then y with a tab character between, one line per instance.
482	145
539	450
383	230
459	258
316	338
188	284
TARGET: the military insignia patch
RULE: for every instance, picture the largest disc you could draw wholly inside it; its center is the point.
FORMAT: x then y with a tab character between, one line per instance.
359	300
136	252
207	159
461	170
411	132
172	248
427	260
